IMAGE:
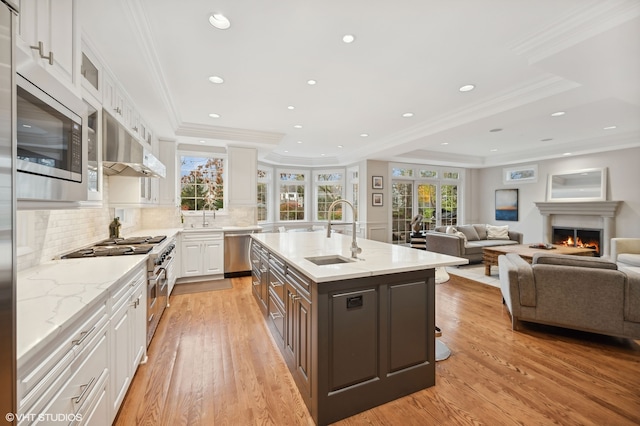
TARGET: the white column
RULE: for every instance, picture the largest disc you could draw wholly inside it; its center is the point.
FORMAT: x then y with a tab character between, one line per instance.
607	233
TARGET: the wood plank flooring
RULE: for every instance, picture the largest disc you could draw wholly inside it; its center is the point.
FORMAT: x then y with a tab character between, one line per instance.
213	362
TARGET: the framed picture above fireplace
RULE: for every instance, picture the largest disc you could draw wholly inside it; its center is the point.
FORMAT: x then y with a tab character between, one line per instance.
578	185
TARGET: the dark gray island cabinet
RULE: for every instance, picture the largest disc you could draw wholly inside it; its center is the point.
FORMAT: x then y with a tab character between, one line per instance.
350	343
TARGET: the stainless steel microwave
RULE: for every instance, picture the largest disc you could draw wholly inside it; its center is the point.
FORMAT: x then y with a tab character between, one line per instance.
50	160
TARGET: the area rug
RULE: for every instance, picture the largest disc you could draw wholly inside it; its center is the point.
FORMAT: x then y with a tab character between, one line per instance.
202	286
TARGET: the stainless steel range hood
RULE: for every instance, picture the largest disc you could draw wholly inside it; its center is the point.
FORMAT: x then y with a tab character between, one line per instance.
124	155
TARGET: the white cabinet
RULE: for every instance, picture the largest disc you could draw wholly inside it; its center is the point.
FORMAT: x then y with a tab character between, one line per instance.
202	253
168	187
48	37
112	98
128	334
128	190
69	375
243	169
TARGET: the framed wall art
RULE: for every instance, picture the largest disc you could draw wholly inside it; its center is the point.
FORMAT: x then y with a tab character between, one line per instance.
376	182
507	204
376	199
520	174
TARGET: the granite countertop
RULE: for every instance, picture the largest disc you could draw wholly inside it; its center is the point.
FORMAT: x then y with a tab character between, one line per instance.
377	258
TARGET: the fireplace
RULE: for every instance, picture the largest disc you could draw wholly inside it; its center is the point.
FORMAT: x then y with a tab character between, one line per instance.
578	237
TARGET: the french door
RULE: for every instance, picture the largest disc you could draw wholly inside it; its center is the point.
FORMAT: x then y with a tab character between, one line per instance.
437	202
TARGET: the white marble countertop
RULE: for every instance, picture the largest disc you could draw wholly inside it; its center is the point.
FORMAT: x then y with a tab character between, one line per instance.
377	258
222	228
52	295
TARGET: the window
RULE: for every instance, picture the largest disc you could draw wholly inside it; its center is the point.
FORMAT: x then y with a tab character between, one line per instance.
292	195
402	211
201	182
354	194
430	191
264	180
329	186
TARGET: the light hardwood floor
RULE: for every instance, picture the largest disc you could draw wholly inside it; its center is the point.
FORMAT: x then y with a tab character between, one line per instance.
213	362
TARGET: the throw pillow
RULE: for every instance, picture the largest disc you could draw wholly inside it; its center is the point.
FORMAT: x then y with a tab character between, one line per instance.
464	237
470	232
497	232
450	230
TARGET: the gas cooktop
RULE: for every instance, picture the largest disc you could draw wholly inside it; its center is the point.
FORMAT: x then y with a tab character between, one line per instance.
118	247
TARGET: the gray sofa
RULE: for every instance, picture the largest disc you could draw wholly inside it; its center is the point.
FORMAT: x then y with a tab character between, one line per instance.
581	293
439	241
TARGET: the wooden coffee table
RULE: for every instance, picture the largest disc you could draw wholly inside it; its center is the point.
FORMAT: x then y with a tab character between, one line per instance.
490	254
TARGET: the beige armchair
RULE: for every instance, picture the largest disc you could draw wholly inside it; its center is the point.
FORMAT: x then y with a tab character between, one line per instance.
626	252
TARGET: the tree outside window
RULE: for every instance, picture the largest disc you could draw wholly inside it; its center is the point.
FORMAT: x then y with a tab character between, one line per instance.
329	189
292	194
201	183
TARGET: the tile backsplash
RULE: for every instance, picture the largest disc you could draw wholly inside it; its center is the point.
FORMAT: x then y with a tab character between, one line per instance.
43	235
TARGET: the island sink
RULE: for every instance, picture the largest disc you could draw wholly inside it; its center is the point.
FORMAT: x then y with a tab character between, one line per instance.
331	259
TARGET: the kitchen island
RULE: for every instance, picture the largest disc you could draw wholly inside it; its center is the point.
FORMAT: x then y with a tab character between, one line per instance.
355	333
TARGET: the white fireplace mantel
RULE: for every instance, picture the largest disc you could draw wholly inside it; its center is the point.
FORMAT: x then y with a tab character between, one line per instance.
604	209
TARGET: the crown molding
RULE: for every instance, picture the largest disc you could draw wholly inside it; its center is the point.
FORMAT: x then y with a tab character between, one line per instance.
228	133
574	27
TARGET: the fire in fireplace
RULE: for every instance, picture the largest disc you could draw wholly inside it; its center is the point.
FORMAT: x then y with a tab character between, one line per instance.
578	237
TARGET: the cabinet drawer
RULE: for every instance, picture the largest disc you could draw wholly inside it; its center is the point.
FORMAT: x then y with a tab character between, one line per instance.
202	236
35	379
122	291
299	280
277	263
88	372
276	313
276	284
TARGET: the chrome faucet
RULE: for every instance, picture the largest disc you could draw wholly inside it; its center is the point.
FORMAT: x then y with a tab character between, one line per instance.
204	214
355	250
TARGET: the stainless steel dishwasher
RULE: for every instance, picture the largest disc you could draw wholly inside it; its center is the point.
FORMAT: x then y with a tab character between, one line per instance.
237	261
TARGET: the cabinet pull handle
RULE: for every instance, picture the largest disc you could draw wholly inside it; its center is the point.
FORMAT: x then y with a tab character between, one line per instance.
275	315
276	284
40	48
83	336
263	270
256	283
86	387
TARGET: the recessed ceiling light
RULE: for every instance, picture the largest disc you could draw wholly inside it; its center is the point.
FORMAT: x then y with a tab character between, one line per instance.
219	21
322	155
495	130
566	153
311	82
546	139
291	107
558	114
609	127
298	126
214	115
444	143
494	150
299	141
407	114
27	126
201	141
349	38
364	135
285	151
467	88
340	146
216	79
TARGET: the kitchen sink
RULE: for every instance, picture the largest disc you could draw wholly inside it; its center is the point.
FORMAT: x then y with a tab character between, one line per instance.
332	259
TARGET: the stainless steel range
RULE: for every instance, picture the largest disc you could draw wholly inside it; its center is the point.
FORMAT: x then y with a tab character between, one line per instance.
159	268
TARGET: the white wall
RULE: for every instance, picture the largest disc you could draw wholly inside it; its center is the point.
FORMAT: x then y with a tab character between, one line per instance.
623	185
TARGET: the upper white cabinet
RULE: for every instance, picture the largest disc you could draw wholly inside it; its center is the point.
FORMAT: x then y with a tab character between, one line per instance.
168	191
48	38
243	169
